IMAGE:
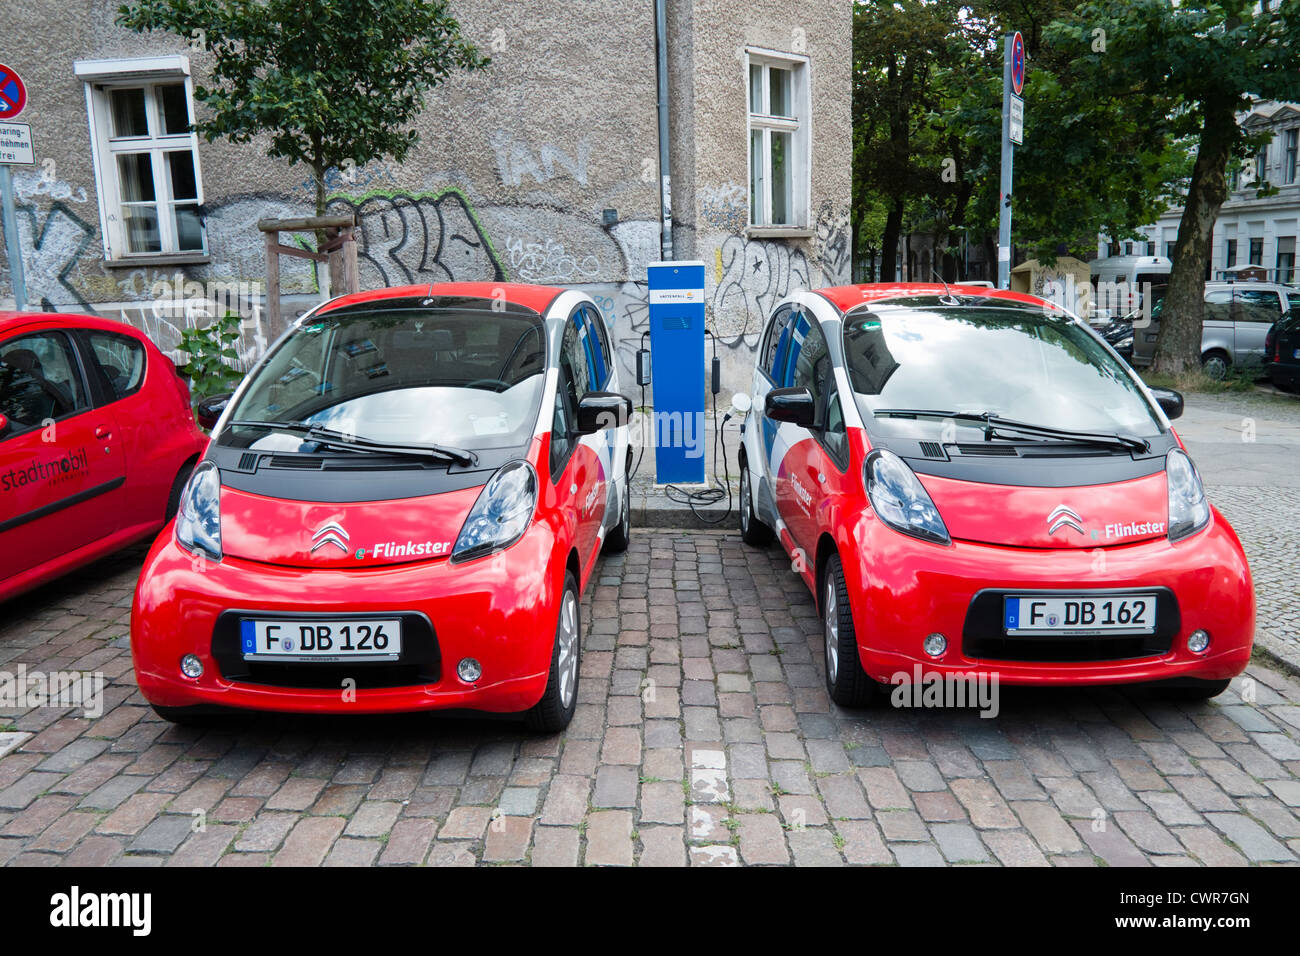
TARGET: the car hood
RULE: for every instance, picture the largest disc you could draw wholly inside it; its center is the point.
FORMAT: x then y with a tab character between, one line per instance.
1087	516
351	535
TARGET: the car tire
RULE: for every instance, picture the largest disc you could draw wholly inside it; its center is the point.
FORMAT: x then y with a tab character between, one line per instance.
1215	363
846	681
752	530
553	712
620	536
1198	690
174	496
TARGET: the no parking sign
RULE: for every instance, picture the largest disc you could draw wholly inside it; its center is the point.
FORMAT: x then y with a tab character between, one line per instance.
13	93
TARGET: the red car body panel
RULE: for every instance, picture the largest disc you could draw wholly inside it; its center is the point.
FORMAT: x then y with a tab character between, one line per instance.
122	457
501	609
903	589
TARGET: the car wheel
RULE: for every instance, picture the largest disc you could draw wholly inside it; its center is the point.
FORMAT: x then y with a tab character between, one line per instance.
1198	690
1215	364
846	681
752	531
553	712
617	540
174	497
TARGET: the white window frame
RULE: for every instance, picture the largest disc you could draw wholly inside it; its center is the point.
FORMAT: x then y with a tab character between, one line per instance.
99	78
800	126
1290	154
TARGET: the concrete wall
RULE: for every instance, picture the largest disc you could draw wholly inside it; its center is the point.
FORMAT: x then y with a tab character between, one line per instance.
514	168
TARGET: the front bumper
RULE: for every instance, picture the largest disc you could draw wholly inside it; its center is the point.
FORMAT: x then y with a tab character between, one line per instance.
908	589
501	610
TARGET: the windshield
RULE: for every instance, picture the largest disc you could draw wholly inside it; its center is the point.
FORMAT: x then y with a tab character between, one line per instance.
1017	361
459	377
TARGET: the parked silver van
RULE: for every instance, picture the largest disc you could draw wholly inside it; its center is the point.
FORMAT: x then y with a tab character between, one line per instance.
1237	317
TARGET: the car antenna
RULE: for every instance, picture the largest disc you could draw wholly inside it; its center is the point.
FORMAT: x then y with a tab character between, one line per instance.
948	297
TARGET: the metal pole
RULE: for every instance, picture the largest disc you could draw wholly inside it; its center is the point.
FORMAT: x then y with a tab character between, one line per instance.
12	249
665	180
1004	198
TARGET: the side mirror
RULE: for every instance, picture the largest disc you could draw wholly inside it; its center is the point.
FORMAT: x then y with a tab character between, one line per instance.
209	410
597	410
4	425
1170	402
794	405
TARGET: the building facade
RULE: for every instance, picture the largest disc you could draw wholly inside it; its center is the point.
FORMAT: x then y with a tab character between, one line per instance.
541	168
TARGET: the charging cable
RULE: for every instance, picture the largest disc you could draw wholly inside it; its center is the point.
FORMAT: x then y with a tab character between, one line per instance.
720	490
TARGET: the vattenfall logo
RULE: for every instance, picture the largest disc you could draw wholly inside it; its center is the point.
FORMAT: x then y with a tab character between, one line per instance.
49	470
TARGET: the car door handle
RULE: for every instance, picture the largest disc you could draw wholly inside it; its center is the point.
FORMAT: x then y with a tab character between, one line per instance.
104	433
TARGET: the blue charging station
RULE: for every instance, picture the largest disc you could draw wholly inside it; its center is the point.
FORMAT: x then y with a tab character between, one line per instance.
677	370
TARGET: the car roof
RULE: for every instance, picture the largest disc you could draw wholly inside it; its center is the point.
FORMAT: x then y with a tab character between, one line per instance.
536	298
10	320
846	297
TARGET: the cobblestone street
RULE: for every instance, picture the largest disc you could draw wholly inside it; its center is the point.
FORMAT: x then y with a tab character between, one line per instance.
704	736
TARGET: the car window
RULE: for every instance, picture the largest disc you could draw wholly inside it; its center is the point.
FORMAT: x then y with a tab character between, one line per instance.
836	436
775	334
1292	301
1218	305
1257	305
598	345
562	425
39	380
574	360
121	359
808	358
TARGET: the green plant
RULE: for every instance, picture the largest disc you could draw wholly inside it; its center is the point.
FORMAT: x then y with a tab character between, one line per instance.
210	353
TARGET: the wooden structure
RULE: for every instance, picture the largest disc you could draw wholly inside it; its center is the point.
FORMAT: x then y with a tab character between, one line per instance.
339	251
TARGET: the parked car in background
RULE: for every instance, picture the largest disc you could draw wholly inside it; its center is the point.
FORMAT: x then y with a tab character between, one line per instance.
1237	318
96	441
1283	348
409	494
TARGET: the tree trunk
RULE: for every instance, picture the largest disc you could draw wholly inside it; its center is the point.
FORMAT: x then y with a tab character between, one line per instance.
1178	348
889	243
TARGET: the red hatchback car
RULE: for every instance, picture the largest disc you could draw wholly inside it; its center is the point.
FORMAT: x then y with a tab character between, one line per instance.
96	441
972	482
398	511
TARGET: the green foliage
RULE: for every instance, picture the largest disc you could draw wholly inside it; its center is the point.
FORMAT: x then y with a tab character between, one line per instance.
211	357
333	83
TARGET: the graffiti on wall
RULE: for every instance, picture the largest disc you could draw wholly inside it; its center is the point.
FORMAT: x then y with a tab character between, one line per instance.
546	261
517	160
52	243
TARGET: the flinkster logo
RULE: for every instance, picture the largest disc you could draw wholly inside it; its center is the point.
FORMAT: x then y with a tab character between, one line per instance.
51	470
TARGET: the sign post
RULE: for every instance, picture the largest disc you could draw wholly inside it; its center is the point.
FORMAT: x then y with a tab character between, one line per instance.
1013	134
15	149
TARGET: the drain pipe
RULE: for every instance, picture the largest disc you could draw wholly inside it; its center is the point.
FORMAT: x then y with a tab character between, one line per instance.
665	179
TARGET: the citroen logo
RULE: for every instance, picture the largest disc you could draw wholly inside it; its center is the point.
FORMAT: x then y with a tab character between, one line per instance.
331	533
1063	517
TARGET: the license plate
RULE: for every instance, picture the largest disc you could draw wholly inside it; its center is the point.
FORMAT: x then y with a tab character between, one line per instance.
1079	615
321	641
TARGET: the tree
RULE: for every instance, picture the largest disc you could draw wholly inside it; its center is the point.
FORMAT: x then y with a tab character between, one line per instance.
335	83
1205	60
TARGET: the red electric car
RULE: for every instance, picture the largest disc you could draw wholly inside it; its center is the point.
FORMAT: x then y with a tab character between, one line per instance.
96	442
398	511
972	481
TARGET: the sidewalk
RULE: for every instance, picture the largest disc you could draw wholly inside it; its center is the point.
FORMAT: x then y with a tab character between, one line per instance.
651	505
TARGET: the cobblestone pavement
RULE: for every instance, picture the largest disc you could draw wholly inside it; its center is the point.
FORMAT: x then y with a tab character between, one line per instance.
704	737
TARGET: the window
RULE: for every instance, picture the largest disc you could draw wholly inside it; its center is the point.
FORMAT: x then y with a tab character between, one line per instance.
39	380
597	346
563	423
810	359
1151	247
1285	258
1257	305
775	337
1256	252
1230	256
835	436
574	362
1291	152
778	141
1218	305
146	158
121	359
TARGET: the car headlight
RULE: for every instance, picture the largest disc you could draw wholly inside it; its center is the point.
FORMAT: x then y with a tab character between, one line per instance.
501	514
1189	512
198	522
900	499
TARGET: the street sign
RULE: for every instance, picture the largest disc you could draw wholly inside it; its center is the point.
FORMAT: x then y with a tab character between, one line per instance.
16	145
1017	63
13	94
1017	120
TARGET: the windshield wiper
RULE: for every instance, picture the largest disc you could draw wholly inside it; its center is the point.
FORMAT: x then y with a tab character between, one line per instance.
993	423
335	439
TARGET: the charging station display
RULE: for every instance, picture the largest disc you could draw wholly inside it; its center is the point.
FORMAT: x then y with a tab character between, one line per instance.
677	369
